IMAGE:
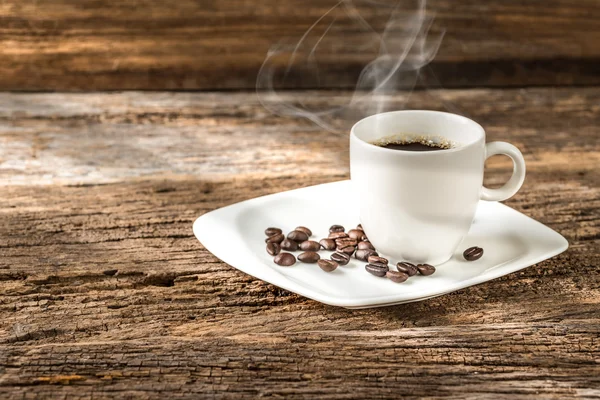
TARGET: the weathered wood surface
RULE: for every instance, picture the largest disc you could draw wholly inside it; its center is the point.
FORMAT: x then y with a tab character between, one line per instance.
105	292
190	44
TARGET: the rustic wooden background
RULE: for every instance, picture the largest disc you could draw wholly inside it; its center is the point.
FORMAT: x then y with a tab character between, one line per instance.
215	44
105	292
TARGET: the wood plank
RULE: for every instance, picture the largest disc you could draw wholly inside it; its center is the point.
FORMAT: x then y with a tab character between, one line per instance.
107	137
105	292
154	45
507	361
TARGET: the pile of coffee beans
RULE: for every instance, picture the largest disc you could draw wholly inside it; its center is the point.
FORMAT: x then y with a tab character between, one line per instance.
379	266
344	245
296	239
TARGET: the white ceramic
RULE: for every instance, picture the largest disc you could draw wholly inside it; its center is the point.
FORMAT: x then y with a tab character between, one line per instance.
235	234
418	206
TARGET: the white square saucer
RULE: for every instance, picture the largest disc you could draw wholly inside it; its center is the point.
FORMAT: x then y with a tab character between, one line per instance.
235	234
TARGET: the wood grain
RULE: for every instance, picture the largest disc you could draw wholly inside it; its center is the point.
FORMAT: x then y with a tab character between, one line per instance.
107	137
104	291
211	44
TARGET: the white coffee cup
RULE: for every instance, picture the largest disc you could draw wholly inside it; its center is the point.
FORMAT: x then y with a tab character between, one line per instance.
419	206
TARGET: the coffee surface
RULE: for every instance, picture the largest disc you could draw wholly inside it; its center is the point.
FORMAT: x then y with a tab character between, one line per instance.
414	142
415	146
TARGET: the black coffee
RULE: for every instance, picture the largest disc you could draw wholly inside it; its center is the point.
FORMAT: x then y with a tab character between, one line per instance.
412	147
424	144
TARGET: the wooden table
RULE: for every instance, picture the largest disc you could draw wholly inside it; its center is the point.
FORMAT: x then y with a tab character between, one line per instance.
105	292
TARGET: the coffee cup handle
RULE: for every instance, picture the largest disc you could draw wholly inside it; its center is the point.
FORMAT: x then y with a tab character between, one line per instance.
518	176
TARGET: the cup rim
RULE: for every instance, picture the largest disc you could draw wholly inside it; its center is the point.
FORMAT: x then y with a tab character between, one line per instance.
419	153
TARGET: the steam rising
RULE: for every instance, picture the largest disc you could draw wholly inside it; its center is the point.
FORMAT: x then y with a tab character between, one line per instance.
399	51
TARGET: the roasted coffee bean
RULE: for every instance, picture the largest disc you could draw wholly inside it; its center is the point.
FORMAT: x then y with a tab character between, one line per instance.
380	264
347	250
426	269
305	230
289	245
373	259
327	265
284	259
340	258
359	226
272	231
310	245
297	236
273	248
277	238
336	228
356	234
343	242
365	245
473	253
327	244
338	235
309	257
397	277
407	268
378	270
364	254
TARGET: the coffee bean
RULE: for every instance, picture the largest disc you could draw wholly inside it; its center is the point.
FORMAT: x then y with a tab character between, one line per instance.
379	264
364	254
356	234
343	242
359	226
340	258
310	245
273	248
272	231
277	238
327	265
297	236
407	268
347	250
473	253
305	230
284	259
365	245
289	245
426	269
309	257
373	259
397	277
327	244
338	235
377	270
336	228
